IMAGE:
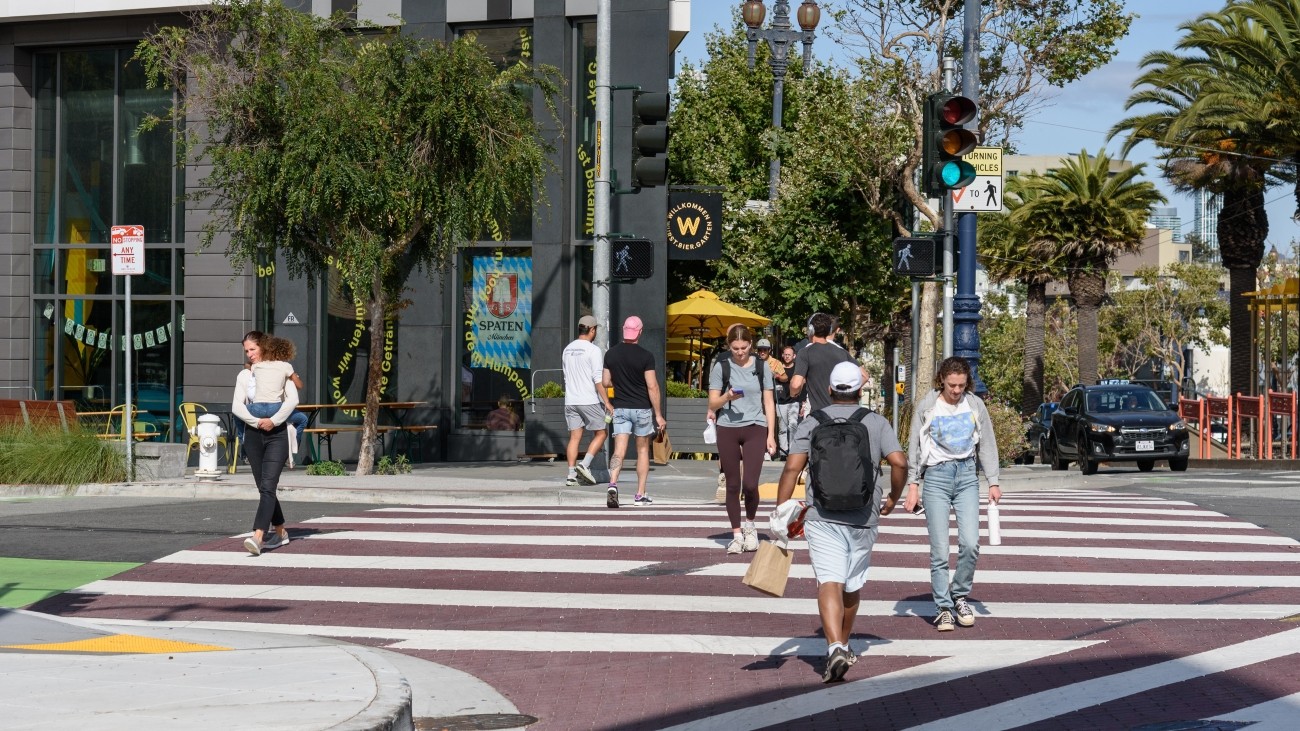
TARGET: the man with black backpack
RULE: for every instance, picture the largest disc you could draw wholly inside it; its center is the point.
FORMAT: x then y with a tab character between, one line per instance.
842	445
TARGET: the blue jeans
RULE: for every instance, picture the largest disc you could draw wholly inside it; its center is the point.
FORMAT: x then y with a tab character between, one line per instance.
952	486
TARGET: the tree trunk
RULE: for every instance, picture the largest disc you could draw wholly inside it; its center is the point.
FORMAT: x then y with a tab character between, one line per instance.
927	360
1087	287
374	378
1031	381
1242	227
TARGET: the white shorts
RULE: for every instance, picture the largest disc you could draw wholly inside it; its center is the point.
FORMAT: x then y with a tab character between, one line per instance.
839	553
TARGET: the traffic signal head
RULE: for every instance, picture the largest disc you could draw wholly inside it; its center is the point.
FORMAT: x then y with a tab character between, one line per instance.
649	139
946	140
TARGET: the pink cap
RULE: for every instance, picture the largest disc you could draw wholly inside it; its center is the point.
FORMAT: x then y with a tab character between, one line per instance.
632	328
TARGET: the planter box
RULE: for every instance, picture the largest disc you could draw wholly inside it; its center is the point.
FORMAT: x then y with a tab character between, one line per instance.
686	425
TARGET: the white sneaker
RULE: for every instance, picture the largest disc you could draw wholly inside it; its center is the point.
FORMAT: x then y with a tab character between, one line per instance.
737	545
585	475
749	537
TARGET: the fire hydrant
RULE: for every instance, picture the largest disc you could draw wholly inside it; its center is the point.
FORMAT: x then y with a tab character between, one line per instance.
208	431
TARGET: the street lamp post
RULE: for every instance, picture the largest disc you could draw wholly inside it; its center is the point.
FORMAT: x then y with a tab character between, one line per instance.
780	36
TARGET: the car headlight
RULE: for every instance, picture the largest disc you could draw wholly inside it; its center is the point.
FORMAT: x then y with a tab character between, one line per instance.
1102	428
1179	425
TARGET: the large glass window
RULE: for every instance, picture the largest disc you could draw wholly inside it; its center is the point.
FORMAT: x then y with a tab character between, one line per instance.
347	352
93	169
497	332
508	45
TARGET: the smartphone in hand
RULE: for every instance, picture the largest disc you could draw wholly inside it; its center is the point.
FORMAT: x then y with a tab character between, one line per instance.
738	391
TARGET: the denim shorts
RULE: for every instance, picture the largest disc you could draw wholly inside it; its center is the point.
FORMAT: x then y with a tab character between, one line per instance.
638	422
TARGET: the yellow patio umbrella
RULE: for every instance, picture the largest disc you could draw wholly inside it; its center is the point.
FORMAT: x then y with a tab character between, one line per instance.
703	315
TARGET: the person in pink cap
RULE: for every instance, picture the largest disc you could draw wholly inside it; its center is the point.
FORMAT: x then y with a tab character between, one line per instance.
630	371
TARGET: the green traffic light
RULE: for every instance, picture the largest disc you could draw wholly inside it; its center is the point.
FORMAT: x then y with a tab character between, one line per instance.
957	174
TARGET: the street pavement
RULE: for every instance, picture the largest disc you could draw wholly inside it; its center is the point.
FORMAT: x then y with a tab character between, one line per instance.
1113	602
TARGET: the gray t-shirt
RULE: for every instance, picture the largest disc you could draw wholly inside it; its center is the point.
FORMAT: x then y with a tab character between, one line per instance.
815	364
883	442
748	409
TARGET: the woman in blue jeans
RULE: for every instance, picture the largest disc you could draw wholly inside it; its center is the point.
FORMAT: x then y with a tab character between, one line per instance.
951	435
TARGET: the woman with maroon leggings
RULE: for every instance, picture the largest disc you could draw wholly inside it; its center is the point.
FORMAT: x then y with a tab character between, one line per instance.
746	422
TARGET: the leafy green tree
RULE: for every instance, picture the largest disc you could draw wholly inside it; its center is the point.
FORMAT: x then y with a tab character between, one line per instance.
1213	108
1002	348
777	258
337	145
1153	319
1013	248
1091	216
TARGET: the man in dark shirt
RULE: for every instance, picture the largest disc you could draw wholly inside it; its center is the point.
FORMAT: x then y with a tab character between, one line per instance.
630	371
815	362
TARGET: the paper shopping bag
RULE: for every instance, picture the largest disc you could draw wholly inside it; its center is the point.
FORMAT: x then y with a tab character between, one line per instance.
661	448
769	569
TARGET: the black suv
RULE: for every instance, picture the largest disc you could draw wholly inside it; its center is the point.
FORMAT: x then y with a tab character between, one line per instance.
1115	422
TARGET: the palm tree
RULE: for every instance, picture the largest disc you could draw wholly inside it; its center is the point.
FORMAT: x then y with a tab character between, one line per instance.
1090	216
1022	253
1222	116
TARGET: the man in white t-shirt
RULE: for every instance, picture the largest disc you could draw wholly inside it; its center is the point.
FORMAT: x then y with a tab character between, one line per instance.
586	407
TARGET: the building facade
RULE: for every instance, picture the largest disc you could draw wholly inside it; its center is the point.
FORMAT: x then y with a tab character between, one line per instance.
71	102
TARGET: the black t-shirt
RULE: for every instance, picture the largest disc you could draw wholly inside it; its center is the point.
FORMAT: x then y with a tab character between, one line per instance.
815	364
627	364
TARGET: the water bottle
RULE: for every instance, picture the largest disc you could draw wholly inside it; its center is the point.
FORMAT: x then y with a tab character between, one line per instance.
995	527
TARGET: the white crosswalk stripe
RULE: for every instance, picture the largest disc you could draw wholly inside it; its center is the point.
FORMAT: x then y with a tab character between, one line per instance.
1100	597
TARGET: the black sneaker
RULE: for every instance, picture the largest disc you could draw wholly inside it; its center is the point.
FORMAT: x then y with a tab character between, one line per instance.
611	497
965	615
943	622
837	664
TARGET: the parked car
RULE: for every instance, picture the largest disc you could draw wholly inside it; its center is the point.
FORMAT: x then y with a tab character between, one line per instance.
1036	435
1120	422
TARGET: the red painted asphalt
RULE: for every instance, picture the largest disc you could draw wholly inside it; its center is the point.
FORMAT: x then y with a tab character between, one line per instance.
650	690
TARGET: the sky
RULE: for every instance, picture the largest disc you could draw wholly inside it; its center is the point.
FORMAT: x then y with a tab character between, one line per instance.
1079	115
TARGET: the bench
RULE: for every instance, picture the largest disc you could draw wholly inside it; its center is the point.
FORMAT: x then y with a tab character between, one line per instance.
325	435
38	413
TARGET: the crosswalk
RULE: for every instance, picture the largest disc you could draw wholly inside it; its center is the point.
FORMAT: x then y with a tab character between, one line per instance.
1099	610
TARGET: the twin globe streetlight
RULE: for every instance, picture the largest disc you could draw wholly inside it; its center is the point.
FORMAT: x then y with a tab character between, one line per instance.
780	36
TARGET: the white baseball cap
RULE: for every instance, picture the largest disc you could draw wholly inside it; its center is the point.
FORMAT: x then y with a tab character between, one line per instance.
846	377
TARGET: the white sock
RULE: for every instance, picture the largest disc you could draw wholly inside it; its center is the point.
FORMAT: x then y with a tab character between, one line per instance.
586	461
573	472
831	647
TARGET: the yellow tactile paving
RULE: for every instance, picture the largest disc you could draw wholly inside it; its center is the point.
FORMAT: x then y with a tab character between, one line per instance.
767	491
122	644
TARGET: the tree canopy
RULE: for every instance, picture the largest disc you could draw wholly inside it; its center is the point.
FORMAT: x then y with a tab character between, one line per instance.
334	144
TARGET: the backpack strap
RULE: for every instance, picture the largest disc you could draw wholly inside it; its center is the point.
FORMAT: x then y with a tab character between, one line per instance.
821	417
726	374
862	413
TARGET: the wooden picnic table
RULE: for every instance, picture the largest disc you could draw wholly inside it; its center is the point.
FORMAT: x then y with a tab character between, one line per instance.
325	434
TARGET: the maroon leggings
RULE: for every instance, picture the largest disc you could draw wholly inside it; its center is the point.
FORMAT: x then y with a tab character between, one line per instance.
734	444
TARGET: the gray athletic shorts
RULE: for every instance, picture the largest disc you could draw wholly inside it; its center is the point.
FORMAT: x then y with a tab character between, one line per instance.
840	553
588	416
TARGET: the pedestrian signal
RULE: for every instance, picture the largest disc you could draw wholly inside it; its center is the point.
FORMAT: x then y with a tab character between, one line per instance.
916	256
946	141
631	258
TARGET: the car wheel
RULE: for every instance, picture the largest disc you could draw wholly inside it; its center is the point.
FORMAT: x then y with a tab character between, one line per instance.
1178	465
1052	456
1086	466
1146	465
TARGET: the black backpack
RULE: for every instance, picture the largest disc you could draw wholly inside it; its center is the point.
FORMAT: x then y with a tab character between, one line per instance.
843	472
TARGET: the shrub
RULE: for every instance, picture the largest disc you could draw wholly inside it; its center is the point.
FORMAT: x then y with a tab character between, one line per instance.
399	466
677	389
47	455
328	469
550	389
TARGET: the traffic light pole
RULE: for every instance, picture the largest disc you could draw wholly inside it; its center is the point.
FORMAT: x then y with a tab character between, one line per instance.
600	225
966	306
945	204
